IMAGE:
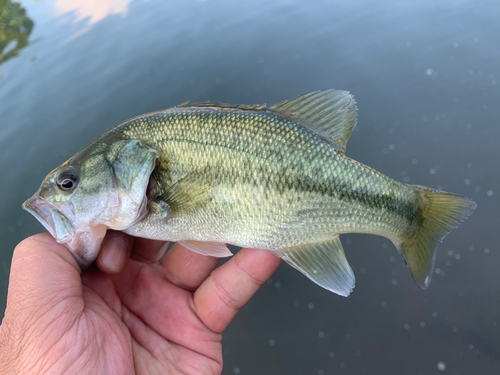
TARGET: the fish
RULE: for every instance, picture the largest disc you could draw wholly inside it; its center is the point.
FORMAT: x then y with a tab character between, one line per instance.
276	178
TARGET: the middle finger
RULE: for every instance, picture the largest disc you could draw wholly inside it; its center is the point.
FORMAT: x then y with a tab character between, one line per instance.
186	268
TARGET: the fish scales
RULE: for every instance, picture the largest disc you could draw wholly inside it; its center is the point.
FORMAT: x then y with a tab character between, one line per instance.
305	182
275	178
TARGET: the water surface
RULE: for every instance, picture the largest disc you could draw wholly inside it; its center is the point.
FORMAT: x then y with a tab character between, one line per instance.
426	76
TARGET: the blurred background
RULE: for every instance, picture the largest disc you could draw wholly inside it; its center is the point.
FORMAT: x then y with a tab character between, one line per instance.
426	76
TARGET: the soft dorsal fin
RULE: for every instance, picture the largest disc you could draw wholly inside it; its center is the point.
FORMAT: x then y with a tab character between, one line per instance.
330	112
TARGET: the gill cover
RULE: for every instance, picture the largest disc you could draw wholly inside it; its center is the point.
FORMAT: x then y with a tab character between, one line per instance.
131	165
132	168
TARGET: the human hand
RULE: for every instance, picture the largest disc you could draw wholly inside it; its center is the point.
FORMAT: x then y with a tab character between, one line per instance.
132	315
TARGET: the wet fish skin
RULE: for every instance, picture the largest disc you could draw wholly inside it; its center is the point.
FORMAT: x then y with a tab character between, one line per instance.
281	171
273	178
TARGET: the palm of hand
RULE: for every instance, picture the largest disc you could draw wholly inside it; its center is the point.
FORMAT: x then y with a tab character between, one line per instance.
144	322
148	318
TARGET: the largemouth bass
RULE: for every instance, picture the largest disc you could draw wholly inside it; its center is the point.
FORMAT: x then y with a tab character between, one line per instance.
275	178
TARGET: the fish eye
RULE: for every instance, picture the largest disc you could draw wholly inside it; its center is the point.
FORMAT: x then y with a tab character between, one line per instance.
67	180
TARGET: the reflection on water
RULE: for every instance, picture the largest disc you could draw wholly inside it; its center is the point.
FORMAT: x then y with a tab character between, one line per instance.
93	10
15	29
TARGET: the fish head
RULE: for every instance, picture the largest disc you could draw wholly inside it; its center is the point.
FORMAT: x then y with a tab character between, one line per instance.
73	203
100	188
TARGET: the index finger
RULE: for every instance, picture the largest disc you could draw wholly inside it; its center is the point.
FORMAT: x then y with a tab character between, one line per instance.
231	286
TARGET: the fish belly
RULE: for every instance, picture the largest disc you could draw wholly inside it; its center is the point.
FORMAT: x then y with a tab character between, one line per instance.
250	217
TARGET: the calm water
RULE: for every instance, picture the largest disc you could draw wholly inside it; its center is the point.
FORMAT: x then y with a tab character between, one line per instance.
426	76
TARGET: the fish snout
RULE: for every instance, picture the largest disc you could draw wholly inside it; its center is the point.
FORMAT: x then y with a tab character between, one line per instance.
53	220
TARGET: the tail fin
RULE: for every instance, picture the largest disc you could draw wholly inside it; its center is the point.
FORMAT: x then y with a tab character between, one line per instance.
440	212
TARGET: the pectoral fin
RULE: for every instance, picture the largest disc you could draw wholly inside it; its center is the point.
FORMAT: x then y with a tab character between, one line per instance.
324	263
213	249
190	192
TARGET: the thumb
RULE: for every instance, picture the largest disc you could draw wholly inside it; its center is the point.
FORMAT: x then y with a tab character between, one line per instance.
44	297
44	276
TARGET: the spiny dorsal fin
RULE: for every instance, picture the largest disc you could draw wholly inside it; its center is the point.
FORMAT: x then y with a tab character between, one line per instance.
324	263
244	107
330	112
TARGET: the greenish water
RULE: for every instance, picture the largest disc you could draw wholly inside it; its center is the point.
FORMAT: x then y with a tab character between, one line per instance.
426	76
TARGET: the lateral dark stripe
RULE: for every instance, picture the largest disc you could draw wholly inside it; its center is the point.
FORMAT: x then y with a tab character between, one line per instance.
285	182
342	192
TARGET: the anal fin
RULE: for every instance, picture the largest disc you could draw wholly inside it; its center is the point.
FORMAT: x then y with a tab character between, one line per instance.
324	263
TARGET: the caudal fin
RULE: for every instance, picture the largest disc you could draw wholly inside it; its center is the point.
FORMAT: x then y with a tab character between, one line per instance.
440	212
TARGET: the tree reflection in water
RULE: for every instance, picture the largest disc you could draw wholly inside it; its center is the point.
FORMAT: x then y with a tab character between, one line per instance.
15	29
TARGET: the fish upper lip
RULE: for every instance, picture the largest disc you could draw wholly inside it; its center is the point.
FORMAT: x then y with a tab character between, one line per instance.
44	212
44	218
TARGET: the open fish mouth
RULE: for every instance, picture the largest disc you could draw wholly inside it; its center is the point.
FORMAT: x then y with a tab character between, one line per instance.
54	221
84	243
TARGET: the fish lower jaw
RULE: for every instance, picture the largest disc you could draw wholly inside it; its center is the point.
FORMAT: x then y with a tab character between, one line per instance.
85	245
